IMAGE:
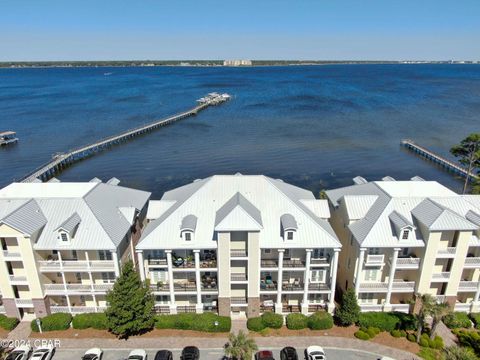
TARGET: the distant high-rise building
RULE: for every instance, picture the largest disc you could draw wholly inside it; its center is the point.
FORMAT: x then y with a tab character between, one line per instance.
237	63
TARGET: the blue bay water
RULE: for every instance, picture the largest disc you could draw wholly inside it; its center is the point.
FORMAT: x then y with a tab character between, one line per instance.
313	126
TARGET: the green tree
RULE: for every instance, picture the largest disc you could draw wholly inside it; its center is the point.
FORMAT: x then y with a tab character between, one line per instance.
437	312
349	310
468	153
240	346
427	303
130	304
476	187
459	353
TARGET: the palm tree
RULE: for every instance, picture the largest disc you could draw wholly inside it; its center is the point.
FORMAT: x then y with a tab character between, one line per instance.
438	311
240	346
428	302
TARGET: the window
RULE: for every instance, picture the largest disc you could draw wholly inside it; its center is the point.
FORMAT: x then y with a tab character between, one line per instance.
404	252
286	254
371	275
64	237
317	276
74	254
267	251
318	253
405	234
108	277
366	298
373	251
54	252
289	235
78	276
104	255
188	236
161	299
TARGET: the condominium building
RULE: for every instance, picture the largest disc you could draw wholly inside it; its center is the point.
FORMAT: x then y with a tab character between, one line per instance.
63	244
238	243
403	238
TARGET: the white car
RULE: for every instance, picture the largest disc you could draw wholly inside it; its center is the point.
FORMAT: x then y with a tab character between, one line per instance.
315	353
20	353
43	353
137	354
93	354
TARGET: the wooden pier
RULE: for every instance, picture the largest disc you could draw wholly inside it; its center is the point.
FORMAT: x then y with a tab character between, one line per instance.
64	160
440	160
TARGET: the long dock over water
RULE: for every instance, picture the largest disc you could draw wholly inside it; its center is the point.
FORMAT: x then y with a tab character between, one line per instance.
438	159
64	160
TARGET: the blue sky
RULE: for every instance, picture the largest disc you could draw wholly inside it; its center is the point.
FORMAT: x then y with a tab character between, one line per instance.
261	29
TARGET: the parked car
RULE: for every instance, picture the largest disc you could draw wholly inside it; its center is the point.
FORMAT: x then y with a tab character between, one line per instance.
93	354
164	355
43	353
22	352
137	354
264	355
315	353
386	358
288	353
190	353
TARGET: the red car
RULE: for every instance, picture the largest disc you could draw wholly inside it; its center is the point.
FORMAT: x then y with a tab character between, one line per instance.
264	355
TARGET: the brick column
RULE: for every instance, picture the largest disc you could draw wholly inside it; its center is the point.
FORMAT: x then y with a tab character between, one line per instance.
41	307
253	309
11	309
224	306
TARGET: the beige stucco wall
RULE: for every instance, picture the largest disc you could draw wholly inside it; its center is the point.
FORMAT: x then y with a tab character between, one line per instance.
253	264
223	263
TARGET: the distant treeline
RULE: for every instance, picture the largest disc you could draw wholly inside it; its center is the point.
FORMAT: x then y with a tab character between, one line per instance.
204	63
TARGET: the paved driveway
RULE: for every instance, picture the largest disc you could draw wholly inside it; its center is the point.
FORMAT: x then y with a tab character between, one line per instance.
214	354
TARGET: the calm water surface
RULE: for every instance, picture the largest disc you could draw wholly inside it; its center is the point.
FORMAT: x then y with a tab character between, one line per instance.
314	126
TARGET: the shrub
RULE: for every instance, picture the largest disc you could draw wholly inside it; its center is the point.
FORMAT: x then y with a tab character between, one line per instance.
476	320
349	310
255	324
90	320
272	320
436	343
296	321
8	323
406	321
411	337
469	339
382	320
424	340
321	320
58	321
457	320
372	332
361	335
398	333
198	322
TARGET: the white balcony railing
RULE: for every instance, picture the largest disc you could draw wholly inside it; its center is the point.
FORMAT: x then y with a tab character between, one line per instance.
441	277
24	303
408	263
370	307
17	279
397	286
472	262
2	309
463	307
8	255
238	277
468	286
76	265
238	253
51	289
76	309
374	260
404	308
448	252
403	286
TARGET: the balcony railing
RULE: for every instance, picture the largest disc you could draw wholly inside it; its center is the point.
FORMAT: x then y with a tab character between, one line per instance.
186	309
238	253
397	286
286	308
2	309
269	263
77	265
463	307
268	285
404	308
472	262
468	286
374	260
238	277
316	307
11	255
370	307
51	289
160	287
24	303
441	277
17	279
76	309
324	261
293	263
238	301
292	287
204	264
157	262
184	287
403	286
187	264
408	263
449	252
162	308
209	286
318	287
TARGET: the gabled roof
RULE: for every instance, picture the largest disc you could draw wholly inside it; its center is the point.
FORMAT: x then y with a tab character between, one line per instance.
357	206
318	207
238	214
399	221
438	218
473	217
189	223
27	218
70	223
288	222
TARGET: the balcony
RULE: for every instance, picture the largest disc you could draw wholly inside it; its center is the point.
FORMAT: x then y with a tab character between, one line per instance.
186	309
293	263
268	284
209	283
319	287
370	307
468	286
407	263
472	263
208	264
2	309
463	307
157	262
181	263
12	255
235	277
397	286
295	286
188	286
18	280
291	306
312	307
441	277
374	260
61	289
76	309
238	253
447	253
238	301
404	308
271	264
76	265
320	262
403	286
24	303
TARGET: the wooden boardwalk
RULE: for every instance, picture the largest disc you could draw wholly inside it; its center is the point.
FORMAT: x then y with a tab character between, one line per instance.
64	160
440	160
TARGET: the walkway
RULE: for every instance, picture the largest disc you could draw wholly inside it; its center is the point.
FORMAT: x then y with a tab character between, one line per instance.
444	332
21	332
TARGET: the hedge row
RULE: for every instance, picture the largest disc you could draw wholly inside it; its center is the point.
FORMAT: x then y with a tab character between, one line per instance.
8	323
436	343
469	339
387	321
190	321
367	333
320	320
457	320
90	320
58	321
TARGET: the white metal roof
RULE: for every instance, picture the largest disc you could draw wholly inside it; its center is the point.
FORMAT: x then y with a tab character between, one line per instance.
261	199
97	211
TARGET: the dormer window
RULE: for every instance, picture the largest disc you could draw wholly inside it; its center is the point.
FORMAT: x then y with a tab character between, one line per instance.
64	237
289	235
405	234
187	236
188	226
288	226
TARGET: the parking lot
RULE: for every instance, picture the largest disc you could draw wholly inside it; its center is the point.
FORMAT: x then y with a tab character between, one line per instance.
215	354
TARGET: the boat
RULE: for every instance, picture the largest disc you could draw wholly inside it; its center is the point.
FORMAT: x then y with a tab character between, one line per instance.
8	137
